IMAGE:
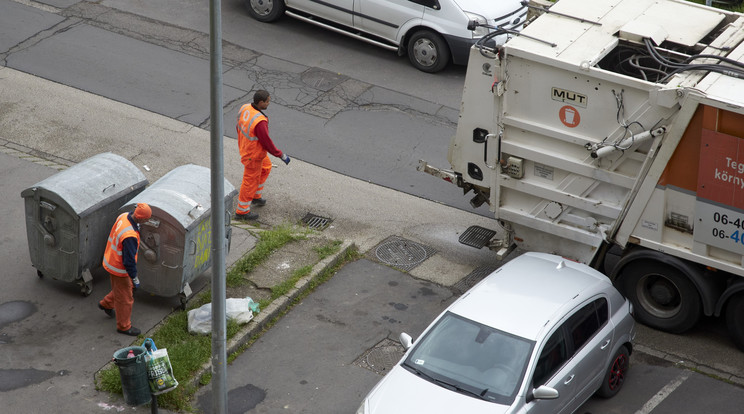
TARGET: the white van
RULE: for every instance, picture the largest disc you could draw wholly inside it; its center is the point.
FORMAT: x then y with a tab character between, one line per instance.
431	32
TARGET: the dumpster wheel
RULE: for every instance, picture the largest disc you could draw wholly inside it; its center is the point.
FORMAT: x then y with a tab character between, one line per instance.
183	298
85	288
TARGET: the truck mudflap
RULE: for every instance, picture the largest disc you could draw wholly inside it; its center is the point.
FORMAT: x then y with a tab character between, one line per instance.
475	236
479	237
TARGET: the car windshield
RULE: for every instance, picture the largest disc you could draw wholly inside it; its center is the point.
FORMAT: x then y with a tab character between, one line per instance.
474	359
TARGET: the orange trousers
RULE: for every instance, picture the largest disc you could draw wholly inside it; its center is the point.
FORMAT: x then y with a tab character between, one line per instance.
254	177
121	300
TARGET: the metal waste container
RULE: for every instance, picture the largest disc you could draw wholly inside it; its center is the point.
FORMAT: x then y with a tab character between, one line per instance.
69	216
176	243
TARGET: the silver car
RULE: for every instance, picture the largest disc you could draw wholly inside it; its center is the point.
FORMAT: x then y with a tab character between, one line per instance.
431	32
541	334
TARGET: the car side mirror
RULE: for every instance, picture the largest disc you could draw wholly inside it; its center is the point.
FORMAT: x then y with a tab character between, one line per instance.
406	340
543	393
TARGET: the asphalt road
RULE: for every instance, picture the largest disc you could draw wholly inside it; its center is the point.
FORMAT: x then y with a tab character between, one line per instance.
369	115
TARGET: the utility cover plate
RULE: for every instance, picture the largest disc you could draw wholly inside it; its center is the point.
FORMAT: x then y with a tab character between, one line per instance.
402	254
472	279
382	357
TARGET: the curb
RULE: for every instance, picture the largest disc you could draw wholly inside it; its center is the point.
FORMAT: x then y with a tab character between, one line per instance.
276	308
690	365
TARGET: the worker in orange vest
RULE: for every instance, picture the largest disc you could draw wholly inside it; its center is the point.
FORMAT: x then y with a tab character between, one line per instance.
120	260
254	143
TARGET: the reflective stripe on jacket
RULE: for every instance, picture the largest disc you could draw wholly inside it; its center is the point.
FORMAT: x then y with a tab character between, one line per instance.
112	257
250	148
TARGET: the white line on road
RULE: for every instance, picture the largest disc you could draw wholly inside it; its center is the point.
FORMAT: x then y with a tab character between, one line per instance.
663	393
40	6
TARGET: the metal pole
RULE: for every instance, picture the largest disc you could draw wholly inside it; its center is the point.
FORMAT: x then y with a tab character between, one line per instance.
219	356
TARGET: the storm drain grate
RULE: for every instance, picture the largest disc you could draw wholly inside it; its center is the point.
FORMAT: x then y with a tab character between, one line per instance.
472	279
382	357
476	236
402	254
316	222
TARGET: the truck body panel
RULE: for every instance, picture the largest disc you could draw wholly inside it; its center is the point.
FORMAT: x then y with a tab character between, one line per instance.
614	122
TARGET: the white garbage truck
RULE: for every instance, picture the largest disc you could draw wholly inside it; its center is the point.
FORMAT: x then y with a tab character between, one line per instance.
611	132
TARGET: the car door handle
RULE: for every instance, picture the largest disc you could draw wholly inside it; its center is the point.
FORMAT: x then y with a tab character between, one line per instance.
604	345
569	379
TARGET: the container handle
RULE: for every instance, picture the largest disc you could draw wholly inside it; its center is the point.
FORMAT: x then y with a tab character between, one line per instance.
107	187
169	267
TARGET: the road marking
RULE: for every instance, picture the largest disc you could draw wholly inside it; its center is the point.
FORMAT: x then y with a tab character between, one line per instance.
40	6
663	393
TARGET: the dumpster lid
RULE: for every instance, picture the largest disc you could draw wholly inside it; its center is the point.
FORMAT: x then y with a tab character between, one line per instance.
184	193
91	182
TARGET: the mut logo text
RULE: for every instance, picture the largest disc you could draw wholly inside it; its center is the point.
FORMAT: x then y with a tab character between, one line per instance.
574	98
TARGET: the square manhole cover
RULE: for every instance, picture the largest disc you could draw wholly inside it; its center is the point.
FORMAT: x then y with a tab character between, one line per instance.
472	279
402	254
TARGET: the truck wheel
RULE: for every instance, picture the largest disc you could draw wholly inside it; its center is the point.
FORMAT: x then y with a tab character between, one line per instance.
615	376
735	319
662	296
428	52
265	10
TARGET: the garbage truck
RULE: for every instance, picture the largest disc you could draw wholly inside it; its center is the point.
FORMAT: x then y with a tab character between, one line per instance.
611	132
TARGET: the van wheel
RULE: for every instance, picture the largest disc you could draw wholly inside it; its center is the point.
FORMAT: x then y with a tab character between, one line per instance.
265	10
662	296
428	52
735	319
615	376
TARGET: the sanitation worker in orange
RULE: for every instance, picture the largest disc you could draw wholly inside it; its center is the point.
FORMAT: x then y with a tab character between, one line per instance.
120	260
254	143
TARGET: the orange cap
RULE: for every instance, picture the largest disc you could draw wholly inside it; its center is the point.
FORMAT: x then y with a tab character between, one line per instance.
142	211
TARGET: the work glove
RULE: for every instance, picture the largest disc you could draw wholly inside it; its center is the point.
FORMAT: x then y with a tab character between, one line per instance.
286	158
135	283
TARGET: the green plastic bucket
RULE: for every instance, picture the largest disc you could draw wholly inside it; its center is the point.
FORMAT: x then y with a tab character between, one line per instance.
133	372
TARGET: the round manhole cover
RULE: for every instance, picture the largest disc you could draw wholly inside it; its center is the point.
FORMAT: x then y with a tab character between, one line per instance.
383	358
401	253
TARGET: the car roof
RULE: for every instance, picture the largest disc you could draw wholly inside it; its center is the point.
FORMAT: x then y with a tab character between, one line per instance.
529	294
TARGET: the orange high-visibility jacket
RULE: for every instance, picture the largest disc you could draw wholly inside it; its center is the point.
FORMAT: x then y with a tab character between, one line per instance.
112	257
250	148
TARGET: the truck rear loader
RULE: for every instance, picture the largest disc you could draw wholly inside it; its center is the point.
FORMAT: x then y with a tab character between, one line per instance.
611	132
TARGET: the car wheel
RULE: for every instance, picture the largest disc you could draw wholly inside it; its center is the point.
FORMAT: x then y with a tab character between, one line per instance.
614	378
265	10
662	296
734	318
428	52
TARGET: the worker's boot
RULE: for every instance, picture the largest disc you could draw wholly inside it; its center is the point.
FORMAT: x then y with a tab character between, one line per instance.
131	331
245	217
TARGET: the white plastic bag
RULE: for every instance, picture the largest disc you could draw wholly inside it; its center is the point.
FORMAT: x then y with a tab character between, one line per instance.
240	310
200	319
